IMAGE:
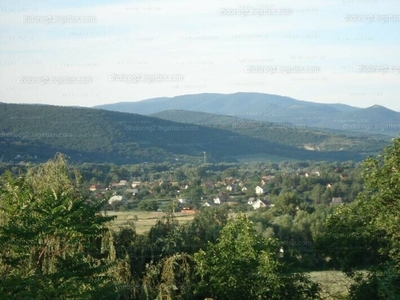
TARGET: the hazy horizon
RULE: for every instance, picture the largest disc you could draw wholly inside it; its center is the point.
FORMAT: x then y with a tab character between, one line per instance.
96	105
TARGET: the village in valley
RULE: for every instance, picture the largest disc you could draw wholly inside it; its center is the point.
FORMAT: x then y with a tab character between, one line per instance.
238	194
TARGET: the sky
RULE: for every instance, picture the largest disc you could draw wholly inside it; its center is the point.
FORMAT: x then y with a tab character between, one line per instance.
92	52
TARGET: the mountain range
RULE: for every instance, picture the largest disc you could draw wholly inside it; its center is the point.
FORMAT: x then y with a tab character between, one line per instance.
273	108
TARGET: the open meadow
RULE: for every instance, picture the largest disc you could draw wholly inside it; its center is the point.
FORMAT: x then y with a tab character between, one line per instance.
334	284
144	220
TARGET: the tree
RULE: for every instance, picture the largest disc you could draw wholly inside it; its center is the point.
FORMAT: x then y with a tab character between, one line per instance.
287	202
366	233
230	172
195	193
51	240
244	265
283	226
205	227
326	197
316	193
164	237
171	278
179	175
147	205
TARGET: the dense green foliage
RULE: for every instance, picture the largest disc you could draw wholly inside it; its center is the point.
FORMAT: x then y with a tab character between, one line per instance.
50	239
365	235
284	133
244	265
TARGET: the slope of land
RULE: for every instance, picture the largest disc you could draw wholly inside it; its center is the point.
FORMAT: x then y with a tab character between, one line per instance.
284	133
273	108
93	135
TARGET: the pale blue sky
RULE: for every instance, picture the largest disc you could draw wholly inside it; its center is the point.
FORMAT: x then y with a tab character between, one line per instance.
208	51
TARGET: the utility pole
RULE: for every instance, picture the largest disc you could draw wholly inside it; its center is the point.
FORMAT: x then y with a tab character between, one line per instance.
204	153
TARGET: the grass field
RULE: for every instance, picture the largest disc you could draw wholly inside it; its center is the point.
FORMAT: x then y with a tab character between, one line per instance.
145	220
262	158
334	284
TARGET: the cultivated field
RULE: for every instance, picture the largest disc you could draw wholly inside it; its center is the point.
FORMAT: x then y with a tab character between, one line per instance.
144	220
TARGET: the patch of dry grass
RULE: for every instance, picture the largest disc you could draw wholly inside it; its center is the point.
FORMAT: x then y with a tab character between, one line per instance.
144	220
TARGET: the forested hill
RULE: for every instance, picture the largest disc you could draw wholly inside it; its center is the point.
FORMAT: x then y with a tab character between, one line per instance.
252	105
274	108
284	133
95	135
